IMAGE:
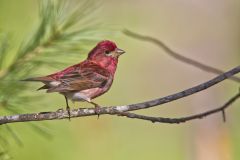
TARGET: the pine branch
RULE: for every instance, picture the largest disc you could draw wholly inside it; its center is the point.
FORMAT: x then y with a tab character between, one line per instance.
61	114
176	55
57	27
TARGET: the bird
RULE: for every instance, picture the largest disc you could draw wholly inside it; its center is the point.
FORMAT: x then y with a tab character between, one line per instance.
86	80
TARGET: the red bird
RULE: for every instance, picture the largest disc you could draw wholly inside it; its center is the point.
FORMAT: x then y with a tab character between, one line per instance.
88	79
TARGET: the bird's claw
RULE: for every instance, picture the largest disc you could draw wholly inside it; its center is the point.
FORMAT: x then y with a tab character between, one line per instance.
97	110
69	113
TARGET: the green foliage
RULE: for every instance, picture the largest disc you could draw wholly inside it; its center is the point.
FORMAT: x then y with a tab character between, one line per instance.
63	31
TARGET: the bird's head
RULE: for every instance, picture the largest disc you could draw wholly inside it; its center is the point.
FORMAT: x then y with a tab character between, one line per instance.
105	50
106	53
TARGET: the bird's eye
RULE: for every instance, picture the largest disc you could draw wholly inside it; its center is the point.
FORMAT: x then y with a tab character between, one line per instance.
107	52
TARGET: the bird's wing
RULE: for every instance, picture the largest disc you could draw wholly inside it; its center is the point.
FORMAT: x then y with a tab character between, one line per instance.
87	76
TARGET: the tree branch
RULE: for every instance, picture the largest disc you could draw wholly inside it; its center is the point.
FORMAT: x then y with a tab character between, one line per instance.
176	55
183	119
80	112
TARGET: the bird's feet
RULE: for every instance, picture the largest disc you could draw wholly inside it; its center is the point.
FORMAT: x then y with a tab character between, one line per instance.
97	110
69	113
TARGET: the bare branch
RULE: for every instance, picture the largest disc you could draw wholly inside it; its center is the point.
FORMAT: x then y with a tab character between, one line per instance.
176	55
183	119
61	114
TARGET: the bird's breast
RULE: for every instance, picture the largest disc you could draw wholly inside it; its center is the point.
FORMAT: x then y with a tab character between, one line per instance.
84	95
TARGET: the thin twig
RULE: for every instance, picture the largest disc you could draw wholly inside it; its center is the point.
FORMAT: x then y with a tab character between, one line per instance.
176	55
61	114
183	119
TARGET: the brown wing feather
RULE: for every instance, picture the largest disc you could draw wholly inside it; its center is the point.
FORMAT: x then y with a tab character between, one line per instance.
84	78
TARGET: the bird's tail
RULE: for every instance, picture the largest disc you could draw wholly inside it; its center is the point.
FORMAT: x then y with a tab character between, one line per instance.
31	79
44	80
43	87
38	79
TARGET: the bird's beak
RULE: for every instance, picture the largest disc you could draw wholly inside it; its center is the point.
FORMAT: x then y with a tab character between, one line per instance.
119	51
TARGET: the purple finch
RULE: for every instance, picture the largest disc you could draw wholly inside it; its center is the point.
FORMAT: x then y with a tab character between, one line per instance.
87	79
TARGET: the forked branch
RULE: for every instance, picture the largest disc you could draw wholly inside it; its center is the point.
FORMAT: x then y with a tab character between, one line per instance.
184	119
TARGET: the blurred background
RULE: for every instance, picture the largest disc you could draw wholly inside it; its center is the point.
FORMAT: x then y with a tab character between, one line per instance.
207	31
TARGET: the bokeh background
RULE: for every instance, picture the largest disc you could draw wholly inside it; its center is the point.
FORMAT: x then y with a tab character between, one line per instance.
207	31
